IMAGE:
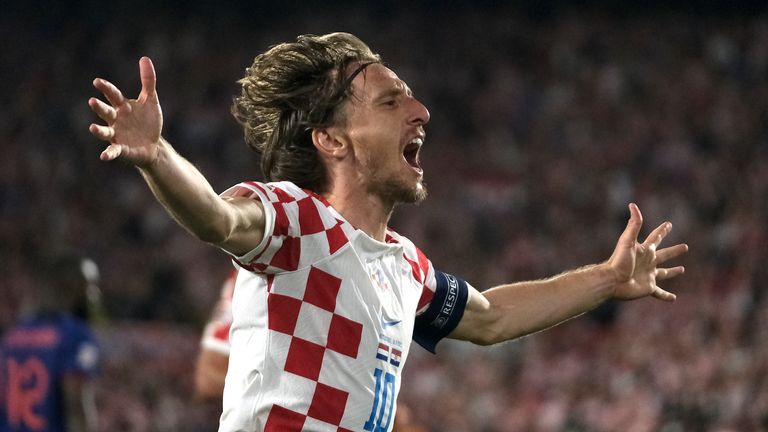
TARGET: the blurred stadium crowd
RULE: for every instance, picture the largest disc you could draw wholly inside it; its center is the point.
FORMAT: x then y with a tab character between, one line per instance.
545	124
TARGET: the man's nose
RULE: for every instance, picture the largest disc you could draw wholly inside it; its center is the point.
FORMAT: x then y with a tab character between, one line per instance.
420	113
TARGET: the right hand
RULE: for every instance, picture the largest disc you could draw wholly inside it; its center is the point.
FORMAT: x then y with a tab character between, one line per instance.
133	125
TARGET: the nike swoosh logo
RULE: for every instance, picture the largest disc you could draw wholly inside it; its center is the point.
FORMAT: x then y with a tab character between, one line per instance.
386	324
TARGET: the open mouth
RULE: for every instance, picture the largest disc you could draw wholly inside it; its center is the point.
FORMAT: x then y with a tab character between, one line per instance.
411	153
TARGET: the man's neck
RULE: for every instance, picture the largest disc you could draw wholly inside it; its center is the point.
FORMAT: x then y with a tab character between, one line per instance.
361	209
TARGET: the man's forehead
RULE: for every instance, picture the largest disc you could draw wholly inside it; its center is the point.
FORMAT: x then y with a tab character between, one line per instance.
377	78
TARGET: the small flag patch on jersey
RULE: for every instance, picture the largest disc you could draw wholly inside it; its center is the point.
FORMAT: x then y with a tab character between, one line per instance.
389	354
394	359
382	353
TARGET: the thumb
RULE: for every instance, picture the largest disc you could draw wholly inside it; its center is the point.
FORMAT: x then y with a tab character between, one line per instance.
148	80
631	232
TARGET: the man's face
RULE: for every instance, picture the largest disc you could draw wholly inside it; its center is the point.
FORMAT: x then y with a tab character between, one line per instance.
385	125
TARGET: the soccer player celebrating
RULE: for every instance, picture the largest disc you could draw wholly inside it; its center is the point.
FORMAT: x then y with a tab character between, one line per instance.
328	298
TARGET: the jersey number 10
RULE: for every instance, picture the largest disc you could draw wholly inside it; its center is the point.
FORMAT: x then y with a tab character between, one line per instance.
383	402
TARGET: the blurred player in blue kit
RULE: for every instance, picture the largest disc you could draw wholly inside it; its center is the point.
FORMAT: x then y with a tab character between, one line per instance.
49	356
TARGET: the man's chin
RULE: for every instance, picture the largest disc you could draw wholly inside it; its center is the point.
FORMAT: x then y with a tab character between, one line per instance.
399	193
419	193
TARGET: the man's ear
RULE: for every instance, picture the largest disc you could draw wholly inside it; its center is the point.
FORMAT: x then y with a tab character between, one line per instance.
329	142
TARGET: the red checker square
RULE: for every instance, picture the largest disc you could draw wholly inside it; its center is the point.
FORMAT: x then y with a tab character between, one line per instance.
426	297
423	261
322	289
344	336
317	197
415	269
304	358
253	184
283	313
310	221
328	404
282	196
287	257
284	420
336	238
282	223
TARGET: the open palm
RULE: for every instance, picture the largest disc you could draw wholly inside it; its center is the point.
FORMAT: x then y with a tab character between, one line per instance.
635	264
133	126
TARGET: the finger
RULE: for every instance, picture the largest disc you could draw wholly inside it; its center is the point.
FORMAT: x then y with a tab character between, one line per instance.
663	295
112	152
104	133
104	111
668	273
657	235
148	80
666	254
629	236
112	93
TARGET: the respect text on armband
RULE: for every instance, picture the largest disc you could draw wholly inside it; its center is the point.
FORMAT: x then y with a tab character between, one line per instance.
448	303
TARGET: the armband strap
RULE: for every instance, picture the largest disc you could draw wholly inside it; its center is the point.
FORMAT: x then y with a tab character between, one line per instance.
444	312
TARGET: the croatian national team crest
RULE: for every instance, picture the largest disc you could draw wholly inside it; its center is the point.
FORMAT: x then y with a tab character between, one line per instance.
379	279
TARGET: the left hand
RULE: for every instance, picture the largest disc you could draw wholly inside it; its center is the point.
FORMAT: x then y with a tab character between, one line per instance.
635	265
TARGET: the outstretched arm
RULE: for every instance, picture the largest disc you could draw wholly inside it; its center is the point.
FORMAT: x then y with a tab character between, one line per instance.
510	311
133	133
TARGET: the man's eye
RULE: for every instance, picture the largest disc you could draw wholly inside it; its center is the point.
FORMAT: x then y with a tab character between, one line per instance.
390	102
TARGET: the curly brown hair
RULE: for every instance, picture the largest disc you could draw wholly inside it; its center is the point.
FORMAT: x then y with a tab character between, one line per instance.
291	89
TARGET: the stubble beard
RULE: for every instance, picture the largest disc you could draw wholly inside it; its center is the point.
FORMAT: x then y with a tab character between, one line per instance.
394	191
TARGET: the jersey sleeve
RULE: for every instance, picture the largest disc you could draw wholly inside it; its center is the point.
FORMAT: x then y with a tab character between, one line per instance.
80	351
442	302
444	311
299	227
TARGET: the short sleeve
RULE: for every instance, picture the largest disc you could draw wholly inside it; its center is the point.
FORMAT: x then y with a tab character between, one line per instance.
444	311
259	192
300	228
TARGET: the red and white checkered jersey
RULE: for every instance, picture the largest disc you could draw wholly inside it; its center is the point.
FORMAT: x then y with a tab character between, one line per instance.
216	331
323	318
